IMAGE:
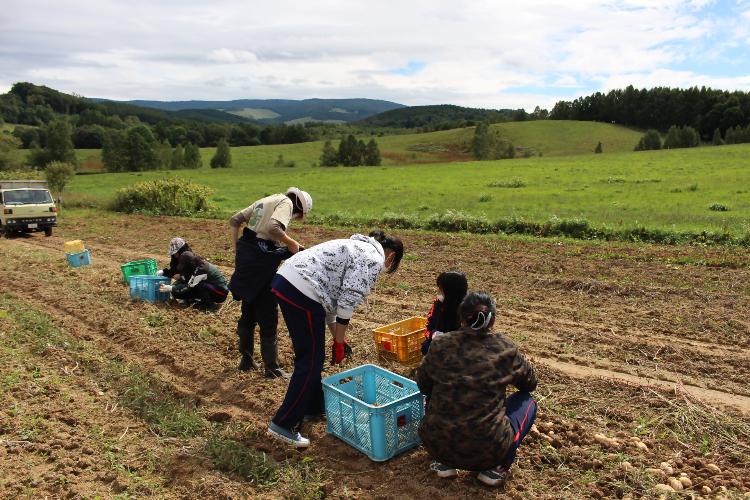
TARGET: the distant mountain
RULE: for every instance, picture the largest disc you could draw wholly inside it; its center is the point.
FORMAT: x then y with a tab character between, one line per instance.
281	110
441	117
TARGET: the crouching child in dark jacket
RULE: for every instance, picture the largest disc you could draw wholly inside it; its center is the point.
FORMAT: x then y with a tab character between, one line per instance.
195	279
443	316
469	423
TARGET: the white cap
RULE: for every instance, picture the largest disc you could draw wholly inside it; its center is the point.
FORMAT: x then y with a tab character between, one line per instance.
303	197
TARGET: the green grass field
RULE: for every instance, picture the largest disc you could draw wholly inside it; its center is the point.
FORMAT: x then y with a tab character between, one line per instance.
669	190
551	138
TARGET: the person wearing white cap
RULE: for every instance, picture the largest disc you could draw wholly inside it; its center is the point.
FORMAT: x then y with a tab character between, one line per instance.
258	252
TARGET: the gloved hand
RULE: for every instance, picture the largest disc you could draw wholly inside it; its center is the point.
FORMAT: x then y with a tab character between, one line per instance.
339	352
160	272
196	279
165	288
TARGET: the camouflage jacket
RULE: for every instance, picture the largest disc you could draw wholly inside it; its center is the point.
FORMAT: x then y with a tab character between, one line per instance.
465	374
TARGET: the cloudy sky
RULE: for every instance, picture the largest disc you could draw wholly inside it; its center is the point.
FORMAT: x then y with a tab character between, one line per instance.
484	53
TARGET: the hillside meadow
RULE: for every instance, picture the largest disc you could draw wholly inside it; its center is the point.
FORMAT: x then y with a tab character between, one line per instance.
669	190
550	138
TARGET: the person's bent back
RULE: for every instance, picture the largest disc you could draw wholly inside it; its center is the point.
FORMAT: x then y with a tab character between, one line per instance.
468	423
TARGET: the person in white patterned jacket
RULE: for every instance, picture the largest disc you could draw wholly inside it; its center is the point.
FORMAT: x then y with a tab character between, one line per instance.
317	287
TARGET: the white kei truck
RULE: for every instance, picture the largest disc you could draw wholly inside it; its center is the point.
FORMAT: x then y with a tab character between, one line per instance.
26	207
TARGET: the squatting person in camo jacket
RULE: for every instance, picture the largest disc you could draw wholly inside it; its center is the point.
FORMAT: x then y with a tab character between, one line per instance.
469	424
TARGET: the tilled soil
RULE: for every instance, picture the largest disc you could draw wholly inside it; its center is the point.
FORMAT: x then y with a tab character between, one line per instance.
635	344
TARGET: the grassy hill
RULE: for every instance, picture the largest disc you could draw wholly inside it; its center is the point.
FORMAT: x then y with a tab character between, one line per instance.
669	190
551	138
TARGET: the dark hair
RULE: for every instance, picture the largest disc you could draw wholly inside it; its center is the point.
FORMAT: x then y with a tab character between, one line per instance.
475	310
296	204
454	286
390	243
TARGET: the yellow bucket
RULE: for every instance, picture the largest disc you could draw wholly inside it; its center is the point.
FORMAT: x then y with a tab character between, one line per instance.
75	246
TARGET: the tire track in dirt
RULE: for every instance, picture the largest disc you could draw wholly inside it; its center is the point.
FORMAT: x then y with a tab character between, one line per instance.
577	367
578	371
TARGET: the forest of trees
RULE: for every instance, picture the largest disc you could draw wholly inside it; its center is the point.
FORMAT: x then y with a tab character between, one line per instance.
91	121
351	153
447	116
703	109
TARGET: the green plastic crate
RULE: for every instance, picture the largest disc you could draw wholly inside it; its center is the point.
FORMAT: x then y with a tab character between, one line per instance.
144	267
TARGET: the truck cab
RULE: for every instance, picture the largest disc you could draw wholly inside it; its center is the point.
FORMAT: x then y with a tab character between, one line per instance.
26	207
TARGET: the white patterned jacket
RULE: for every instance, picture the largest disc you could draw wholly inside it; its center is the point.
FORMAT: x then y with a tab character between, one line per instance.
339	274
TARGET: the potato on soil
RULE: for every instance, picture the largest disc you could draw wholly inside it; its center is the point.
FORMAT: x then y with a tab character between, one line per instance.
664	488
675	484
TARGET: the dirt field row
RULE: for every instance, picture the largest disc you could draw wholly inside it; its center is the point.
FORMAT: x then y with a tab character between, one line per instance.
635	344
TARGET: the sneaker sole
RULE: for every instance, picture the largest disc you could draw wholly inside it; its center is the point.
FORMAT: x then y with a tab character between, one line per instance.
285	439
489	481
447	474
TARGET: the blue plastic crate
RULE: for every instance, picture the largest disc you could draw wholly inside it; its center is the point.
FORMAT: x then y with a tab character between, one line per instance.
147	288
374	410
79	259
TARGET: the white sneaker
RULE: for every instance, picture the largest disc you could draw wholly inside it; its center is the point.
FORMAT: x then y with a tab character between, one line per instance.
443	470
494	477
290	437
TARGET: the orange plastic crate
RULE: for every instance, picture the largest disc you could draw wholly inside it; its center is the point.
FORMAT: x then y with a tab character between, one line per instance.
401	341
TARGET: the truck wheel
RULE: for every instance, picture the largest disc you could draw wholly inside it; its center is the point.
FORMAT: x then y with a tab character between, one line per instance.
47	231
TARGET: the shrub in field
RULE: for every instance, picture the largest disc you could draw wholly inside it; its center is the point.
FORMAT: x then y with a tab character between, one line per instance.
329	157
178	157
169	196
717	140
372	153
651	140
483	198
488	145
192	156
681	137
163	151
223	156
58	174
280	162
718	207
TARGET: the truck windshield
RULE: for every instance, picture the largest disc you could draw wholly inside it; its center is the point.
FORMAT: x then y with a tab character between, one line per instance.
26	196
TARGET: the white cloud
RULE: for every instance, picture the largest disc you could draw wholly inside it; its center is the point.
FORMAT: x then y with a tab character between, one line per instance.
481	53
224	55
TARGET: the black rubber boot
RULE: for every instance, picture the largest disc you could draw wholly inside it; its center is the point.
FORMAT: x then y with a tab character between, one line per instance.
269	352
246	348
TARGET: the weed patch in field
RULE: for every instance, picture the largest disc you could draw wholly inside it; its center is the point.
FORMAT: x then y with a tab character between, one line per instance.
228	453
456	221
513	184
718	207
138	391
